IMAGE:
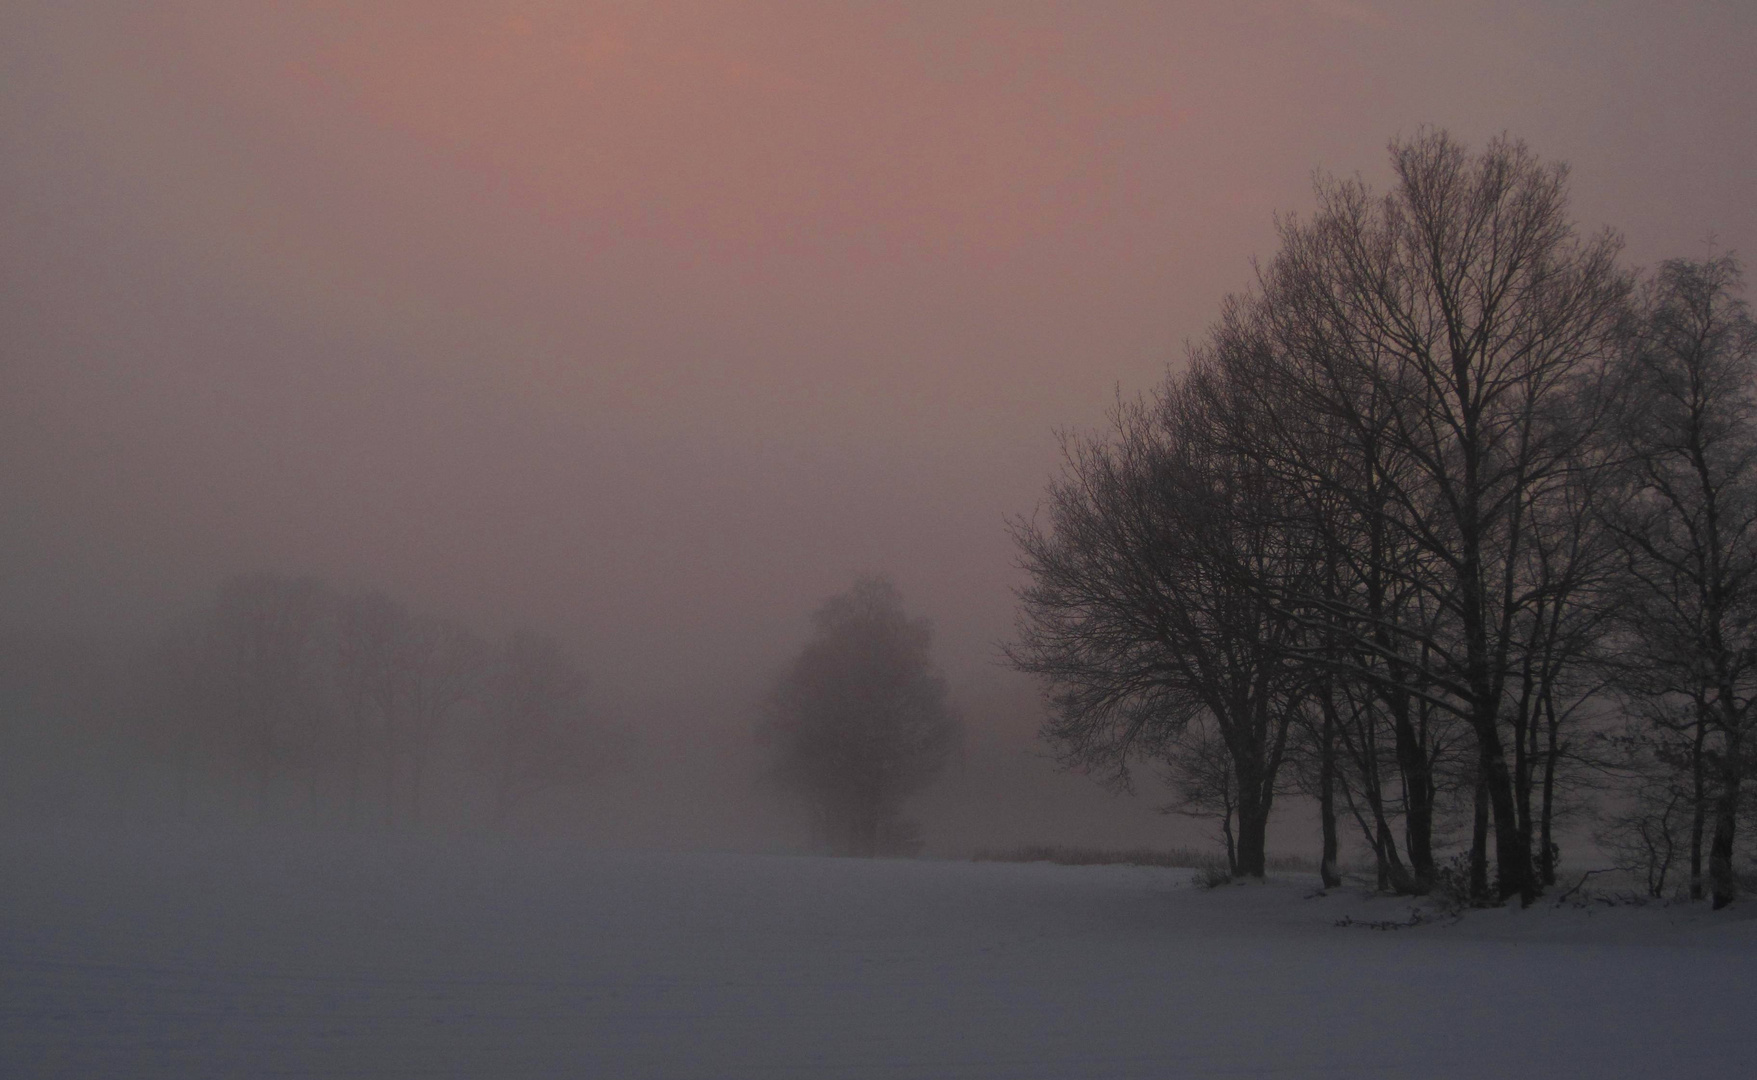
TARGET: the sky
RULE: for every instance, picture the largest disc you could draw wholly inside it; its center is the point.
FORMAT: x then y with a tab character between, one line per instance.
651	325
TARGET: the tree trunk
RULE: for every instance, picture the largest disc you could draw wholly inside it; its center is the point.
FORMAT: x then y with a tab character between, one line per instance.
1479	842
1253	833
1256	793
1399	879
1327	801
1726	815
1699	802
1547	860
1512	852
1367	834
1524	732
1392	876
1413	766
1418	821
1512	847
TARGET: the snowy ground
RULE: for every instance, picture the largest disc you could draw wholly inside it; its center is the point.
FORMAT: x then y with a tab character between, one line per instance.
223	958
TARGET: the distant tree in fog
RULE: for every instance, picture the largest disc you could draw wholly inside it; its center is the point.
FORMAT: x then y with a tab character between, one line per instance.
860	721
402	678
268	646
444	668
247	691
285	699
541	732
181	705
371	633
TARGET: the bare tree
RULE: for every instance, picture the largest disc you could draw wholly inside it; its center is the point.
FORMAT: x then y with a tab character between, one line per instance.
1650	826
541	732
354	694
1145	608
371	637
182	706
1199	768
443	669
1443	337
268	642
1687	525
1373	480
860	720
402	678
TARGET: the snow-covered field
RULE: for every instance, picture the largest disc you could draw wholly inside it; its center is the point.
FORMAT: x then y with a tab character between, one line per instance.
228	958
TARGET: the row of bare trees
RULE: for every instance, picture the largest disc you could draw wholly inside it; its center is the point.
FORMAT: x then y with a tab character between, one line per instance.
346	705
1447	519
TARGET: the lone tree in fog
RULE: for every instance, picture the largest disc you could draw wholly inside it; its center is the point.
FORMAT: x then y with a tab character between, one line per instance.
860	721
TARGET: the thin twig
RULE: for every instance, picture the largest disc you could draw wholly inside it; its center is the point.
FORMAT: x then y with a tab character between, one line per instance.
1582	881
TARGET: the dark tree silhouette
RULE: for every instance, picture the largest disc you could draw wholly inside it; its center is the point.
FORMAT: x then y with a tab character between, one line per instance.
371	635
402	678
443	668
1372	484
860	721
1438	347
1687	526
268	637
1145	609
541	733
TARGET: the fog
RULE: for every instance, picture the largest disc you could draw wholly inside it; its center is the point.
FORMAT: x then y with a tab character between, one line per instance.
649	327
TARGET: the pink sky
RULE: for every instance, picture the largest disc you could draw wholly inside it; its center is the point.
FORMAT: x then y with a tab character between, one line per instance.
653	324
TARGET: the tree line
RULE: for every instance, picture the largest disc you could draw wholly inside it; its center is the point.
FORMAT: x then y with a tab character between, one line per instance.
287	698
1450	522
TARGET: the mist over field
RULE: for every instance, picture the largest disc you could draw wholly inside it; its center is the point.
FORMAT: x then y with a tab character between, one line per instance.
456	457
